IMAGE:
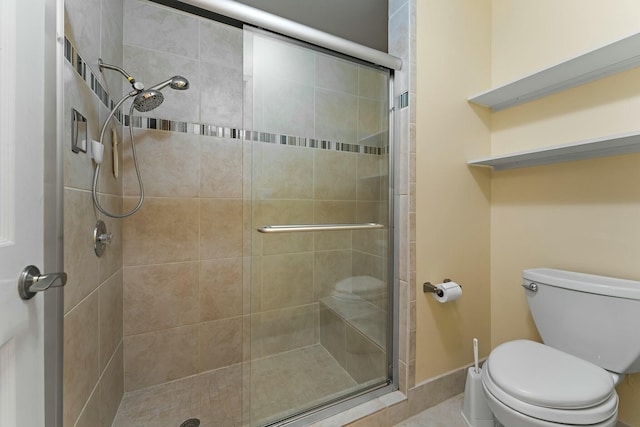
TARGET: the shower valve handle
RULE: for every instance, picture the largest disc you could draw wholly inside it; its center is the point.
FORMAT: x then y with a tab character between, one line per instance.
105	237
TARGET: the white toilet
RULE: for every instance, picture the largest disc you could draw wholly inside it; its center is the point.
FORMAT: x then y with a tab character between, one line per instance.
589	326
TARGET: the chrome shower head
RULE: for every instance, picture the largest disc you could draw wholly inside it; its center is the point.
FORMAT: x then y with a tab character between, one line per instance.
152	98
148	100
175	82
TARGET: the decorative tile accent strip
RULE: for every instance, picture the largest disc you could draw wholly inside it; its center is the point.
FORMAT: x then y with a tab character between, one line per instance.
93	82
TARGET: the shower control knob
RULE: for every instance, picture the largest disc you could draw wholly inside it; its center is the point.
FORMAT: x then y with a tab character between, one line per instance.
101	237
105	237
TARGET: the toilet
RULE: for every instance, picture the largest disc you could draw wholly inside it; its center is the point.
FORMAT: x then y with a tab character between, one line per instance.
589	328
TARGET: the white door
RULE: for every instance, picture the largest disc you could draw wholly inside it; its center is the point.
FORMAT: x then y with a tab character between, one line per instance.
23	113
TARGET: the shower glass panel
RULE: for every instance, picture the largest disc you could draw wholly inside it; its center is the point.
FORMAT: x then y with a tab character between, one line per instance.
319	296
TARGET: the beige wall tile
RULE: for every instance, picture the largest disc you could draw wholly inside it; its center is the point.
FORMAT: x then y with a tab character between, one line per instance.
365	360
221	168
287	329
287	280
282	172
332	334
372	83
110	306
334	212
373	242
112	388
220	343
373	211
90	416
283	212
334	175
336	116
370	177
80	362
111	259
169	164
221	228
164	230
336	74
178	31
80	261
370	118
220	288
160	356
368	265
329	268
328	240
160	296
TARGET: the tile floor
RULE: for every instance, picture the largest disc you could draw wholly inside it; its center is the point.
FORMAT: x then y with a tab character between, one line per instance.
446	414
215	397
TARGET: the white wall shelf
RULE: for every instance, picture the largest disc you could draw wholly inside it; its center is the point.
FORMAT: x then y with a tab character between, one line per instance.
598	147
613	58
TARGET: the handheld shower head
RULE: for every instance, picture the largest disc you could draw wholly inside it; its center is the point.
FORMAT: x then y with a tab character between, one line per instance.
148	100
175	82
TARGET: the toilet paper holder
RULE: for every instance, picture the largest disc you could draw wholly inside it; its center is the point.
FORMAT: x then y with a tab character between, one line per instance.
427	287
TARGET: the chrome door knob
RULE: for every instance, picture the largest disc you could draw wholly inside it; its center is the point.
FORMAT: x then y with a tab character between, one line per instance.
31	281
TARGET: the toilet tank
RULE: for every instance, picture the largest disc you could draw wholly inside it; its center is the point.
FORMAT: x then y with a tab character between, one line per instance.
592	317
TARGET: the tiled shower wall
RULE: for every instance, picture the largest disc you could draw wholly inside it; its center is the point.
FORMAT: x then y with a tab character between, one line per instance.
93	350
183	252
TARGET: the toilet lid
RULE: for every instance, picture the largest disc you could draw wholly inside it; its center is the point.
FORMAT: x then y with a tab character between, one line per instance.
540	375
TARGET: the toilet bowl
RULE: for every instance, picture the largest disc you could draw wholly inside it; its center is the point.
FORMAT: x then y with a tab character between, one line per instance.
588	327
528	384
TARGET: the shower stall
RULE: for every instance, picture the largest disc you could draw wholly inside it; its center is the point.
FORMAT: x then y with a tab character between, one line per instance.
258	274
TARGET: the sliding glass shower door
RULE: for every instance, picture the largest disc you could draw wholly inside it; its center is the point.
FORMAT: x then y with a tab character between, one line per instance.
317	157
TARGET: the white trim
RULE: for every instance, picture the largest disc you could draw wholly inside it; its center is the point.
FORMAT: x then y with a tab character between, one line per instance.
7	121
262	19
8	383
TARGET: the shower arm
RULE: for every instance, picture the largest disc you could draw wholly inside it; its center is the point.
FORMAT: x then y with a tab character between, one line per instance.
138	86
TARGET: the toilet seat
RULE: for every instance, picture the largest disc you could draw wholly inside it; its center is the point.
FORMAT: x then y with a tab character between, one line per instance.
548	384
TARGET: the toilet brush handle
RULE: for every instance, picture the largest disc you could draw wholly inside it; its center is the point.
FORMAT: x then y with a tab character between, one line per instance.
475	355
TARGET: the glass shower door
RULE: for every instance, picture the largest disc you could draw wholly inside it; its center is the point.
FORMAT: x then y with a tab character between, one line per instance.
319	246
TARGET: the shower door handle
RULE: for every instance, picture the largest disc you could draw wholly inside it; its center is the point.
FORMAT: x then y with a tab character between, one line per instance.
297	228
31	281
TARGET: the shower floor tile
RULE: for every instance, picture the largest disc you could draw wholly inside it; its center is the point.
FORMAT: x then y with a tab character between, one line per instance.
281	382
294	380
214	397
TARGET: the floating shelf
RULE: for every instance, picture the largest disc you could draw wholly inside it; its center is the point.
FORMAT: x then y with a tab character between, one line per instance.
613	58
589	149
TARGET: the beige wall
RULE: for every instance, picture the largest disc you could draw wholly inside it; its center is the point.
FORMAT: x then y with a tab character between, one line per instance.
578	216
452	200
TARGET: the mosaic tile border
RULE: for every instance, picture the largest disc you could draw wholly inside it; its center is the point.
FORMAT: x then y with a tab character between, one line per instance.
81	68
